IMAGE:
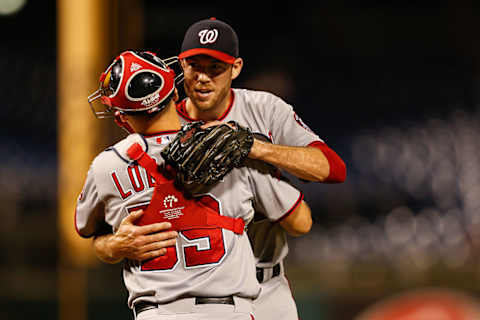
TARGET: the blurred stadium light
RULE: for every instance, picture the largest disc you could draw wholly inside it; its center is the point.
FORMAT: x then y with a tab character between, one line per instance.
8	7
424	304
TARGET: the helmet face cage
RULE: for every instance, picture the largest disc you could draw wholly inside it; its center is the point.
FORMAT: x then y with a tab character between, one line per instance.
135	82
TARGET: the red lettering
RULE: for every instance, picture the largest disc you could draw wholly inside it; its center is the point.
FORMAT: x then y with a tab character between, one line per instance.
203	247
168	261
123	194
194	255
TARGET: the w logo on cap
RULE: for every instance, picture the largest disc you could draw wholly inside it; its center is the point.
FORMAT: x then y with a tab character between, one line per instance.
208	36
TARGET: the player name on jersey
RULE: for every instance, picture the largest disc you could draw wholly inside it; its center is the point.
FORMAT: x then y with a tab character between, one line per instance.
139	181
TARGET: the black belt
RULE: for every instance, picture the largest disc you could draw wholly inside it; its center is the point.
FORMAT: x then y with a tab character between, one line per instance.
145	305
261	273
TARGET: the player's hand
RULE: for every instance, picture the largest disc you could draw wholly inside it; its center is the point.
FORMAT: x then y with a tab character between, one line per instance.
140	242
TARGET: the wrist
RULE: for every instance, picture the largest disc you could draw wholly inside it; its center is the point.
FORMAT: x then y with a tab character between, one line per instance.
113	252
257	149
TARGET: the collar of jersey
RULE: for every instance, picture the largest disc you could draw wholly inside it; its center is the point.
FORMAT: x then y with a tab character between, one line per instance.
160	133
182	108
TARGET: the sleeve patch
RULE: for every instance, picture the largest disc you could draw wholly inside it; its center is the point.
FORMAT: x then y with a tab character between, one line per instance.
301	123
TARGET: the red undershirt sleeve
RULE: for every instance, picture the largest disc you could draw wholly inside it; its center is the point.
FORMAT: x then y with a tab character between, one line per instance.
338	171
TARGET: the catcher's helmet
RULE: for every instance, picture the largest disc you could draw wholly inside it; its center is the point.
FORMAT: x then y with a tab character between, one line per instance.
135	82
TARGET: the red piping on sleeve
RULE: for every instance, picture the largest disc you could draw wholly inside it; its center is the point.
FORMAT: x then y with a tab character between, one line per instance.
338	170
295	205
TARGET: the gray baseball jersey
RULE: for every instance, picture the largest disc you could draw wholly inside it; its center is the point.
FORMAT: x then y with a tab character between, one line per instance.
270	116
273	118
209	263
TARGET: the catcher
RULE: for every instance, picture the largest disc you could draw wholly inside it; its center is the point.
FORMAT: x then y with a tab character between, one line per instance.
131	183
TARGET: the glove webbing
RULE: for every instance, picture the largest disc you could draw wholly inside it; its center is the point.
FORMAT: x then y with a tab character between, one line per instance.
210	218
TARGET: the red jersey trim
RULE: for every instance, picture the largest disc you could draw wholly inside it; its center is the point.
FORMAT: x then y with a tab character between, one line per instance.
338	170
182	109
295	206
230	105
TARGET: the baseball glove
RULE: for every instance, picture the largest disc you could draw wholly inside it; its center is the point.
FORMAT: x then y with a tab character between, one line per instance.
202	157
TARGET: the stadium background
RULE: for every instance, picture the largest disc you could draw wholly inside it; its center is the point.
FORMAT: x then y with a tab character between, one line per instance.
393	88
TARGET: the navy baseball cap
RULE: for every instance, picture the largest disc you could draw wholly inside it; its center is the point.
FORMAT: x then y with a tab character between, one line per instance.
211	37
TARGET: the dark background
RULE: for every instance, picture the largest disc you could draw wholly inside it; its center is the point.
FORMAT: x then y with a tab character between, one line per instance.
392	86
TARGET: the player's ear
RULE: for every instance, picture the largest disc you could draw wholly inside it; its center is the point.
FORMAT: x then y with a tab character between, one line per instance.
122	117
237	67
182	63
175	95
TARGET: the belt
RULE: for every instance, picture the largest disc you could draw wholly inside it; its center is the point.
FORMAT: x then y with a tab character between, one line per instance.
146	305
263	276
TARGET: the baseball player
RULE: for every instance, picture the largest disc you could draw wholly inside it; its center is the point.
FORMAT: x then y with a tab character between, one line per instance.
210	61
209	273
